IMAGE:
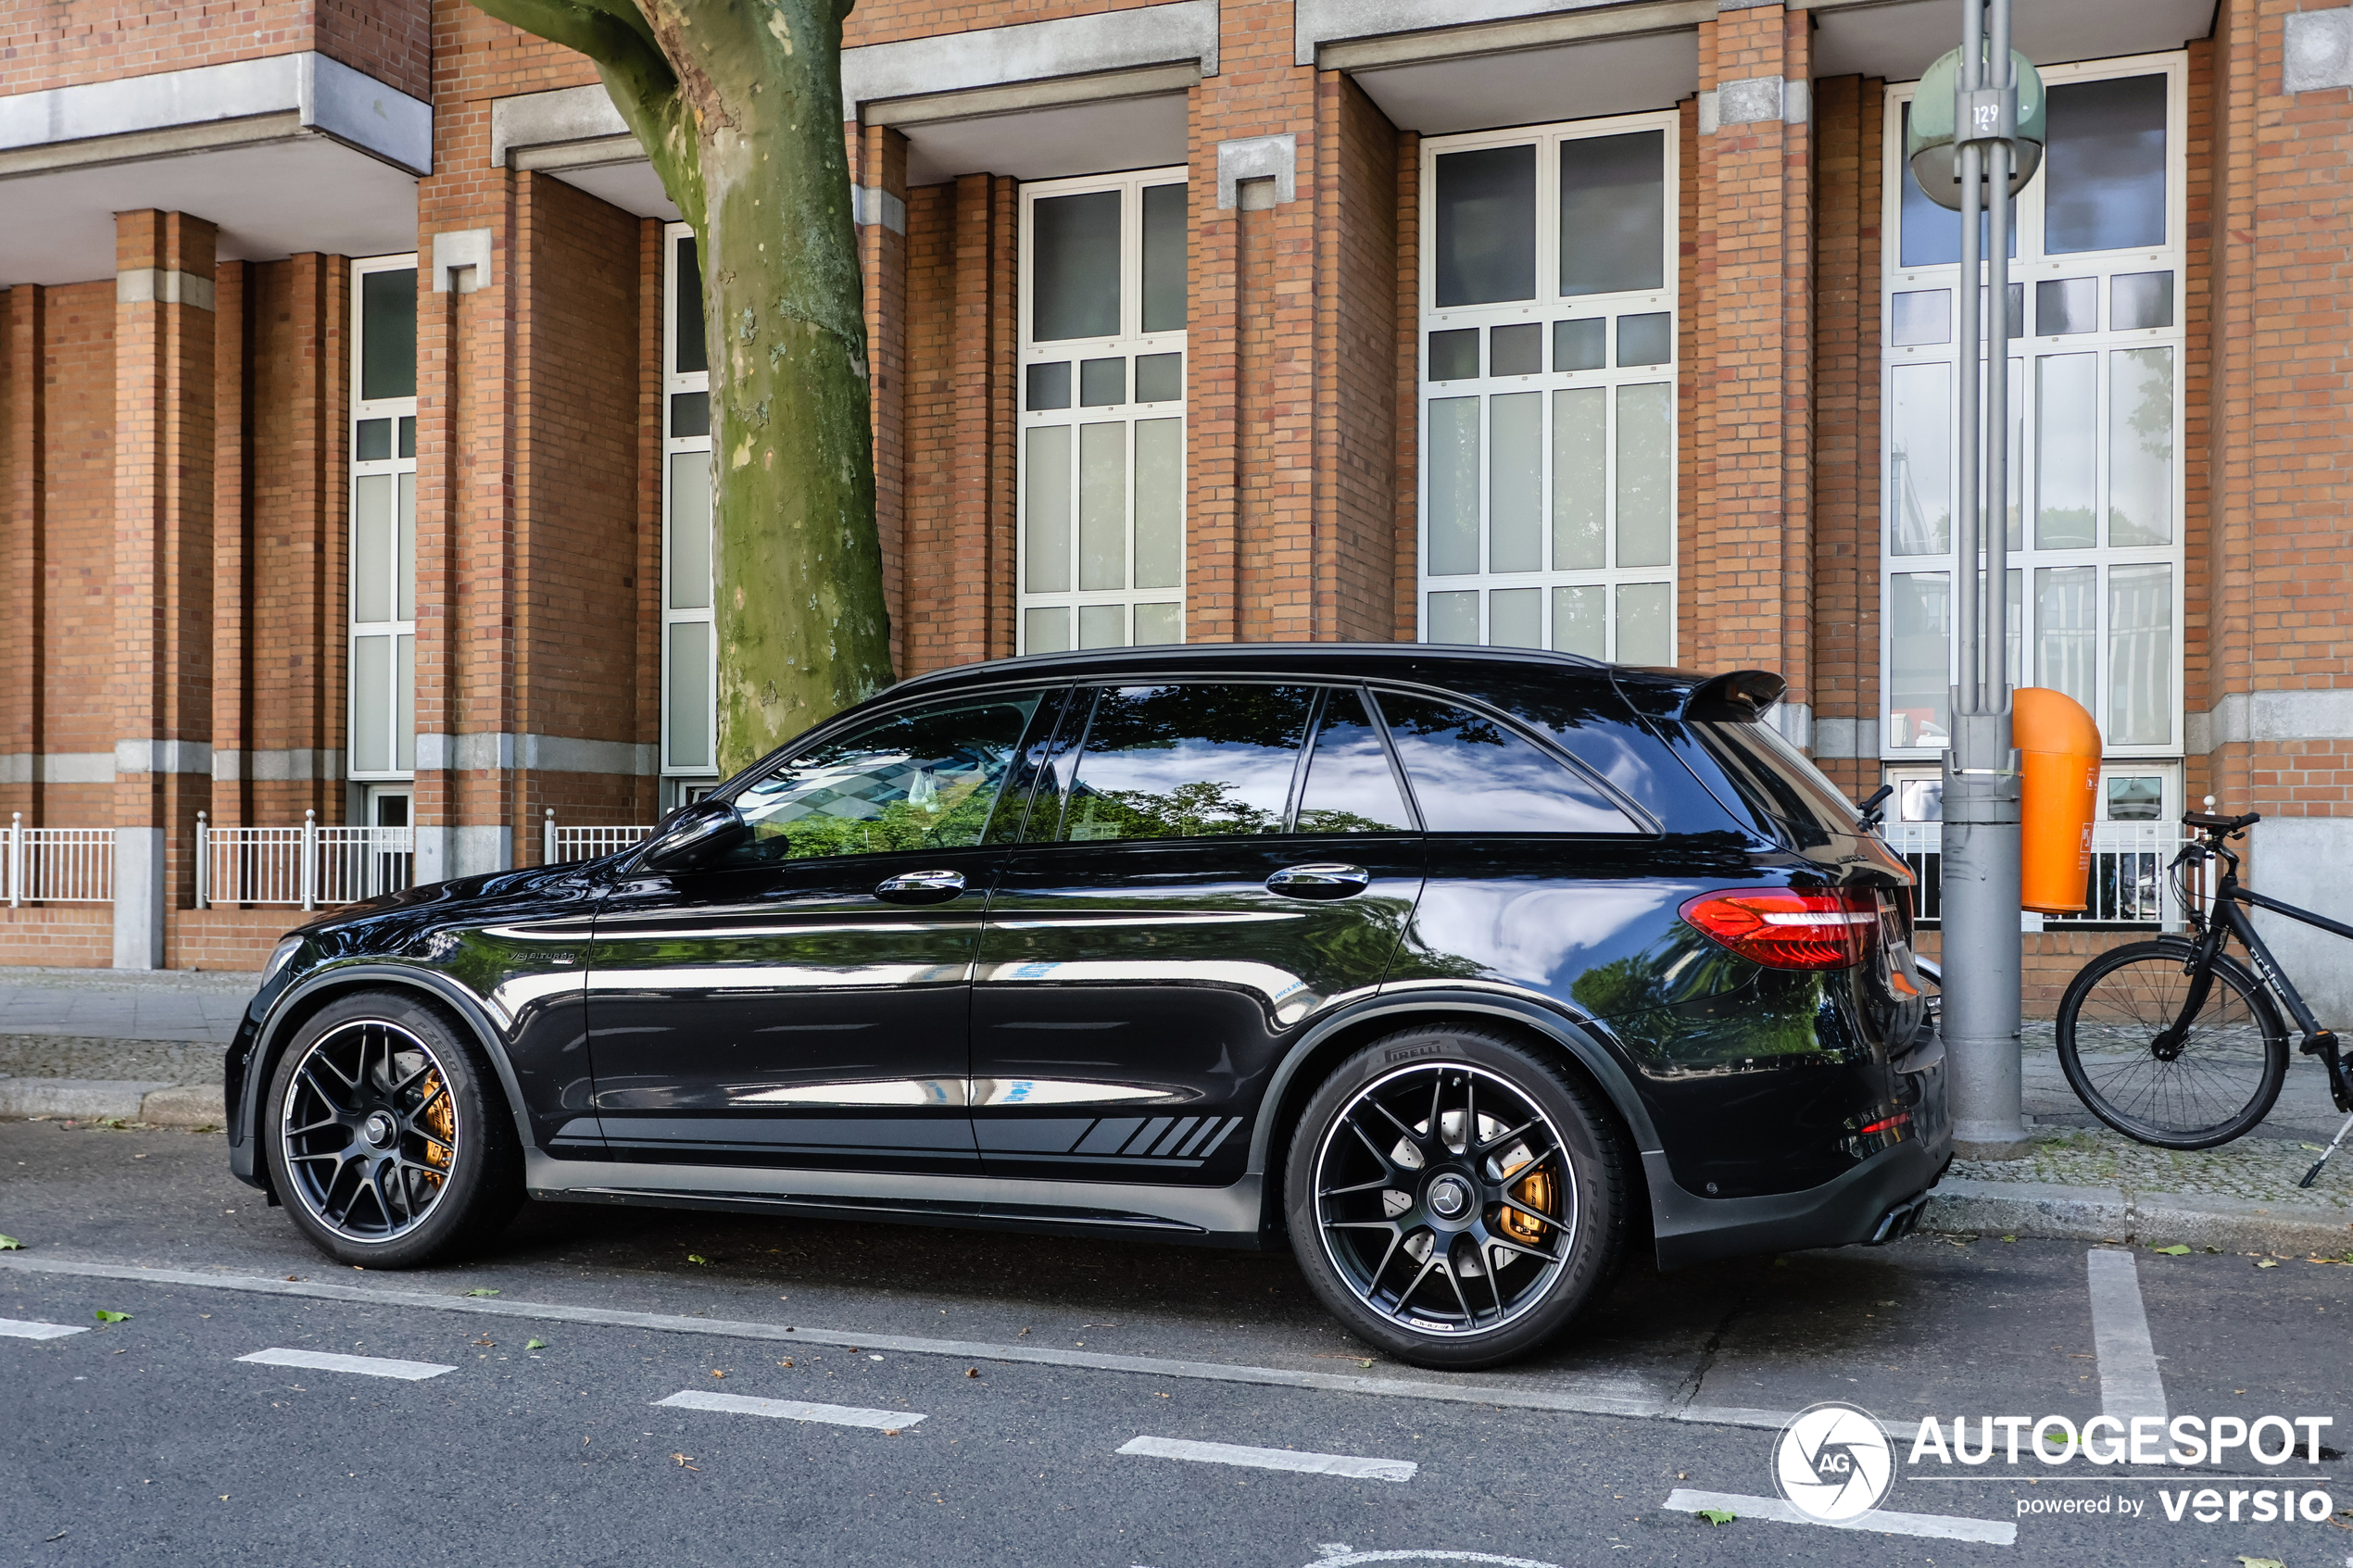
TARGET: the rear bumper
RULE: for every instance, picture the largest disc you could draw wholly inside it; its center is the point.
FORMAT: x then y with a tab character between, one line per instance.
1861	1206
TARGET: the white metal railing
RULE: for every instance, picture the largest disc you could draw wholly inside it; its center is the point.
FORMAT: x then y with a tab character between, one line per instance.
2128	886
57	865
585	843
308	866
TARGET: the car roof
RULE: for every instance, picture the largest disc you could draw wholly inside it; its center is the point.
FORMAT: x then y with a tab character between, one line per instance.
1319	660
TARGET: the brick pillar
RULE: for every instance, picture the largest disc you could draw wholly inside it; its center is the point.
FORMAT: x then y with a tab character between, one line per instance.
1748	561
162	681
23	387
233	479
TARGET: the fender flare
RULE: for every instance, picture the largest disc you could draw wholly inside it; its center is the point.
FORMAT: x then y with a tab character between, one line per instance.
1576	1036
361	976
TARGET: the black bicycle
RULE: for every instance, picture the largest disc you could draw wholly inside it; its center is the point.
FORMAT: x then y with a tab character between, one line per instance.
2175	1042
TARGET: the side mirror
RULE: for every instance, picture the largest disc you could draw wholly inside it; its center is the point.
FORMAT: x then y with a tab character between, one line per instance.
695	836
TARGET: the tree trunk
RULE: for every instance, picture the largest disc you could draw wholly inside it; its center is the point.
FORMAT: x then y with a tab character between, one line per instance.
738	104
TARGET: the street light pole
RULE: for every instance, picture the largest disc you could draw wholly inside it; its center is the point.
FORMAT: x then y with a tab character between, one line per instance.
1982	948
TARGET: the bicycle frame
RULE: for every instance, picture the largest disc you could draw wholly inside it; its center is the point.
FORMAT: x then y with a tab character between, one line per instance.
2230	919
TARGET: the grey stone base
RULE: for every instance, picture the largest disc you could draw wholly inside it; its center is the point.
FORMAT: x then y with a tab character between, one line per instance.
2088	1214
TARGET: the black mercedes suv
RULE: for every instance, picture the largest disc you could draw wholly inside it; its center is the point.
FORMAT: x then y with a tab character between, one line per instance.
1465	969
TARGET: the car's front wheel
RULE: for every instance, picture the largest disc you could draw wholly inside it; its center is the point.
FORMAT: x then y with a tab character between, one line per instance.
388	1140
1454	1197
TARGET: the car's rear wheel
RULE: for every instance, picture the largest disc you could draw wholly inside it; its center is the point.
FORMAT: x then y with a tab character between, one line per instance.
387	1138
1454	1197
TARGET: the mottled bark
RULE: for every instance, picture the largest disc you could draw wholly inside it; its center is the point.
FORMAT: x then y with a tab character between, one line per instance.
738	104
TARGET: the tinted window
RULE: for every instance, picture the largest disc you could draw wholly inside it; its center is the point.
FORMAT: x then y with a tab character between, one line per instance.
1774	776
1349	787
1470	774
925	779
1187	762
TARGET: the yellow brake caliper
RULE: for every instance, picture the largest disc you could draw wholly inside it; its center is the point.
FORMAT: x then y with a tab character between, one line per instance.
1533	1196
441	1122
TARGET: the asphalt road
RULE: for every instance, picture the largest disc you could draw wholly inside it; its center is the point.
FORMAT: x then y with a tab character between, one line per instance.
963	1398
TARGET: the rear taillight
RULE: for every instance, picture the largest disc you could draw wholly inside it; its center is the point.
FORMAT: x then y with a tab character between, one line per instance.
1782	928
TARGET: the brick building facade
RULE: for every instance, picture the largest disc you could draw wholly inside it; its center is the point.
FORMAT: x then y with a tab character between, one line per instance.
373	485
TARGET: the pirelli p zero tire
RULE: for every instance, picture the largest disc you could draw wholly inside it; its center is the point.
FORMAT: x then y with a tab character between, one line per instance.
388	1139
1455	1197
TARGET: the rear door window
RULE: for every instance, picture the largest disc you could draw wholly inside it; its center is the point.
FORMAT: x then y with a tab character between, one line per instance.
1471	773
1185	760
1351	787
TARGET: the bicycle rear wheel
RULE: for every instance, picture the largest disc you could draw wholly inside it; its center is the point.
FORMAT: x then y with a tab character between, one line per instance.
2220	1081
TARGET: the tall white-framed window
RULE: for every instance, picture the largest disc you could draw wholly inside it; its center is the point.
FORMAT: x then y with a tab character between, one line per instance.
1548	406
383	588
689	658
1102	411
2094	505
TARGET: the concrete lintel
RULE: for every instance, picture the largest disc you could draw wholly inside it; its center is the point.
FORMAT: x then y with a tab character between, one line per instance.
461	260
162	756
278	767
870	204
1179	30
542	119
1846	738
144	285
1258	157
979	103
2316	50
57	767
2242	716
595	152
485	752
1361	34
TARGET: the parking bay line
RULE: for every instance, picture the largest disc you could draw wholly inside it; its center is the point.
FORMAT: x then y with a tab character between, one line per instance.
367	1366
22	1328
790	1409
1937	1526
1272	1459
1502	1396
2130	1383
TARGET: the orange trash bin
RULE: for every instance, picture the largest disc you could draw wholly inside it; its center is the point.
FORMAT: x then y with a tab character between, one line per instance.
2060	756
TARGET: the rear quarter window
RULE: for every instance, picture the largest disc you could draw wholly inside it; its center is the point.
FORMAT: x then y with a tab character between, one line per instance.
1473	773
1775	780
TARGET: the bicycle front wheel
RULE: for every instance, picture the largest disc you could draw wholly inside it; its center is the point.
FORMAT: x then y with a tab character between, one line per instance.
2212	1085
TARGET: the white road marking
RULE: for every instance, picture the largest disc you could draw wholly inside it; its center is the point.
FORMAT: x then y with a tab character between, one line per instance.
1601	1395
368	1366
2130	1383
1272	1459
1343	1558
1882	1521
791	1410
18	1328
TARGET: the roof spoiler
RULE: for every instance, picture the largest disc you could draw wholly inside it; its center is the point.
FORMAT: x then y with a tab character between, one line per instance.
1741	695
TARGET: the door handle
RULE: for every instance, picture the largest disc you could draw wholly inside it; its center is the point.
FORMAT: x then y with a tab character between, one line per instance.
1322	880
921	887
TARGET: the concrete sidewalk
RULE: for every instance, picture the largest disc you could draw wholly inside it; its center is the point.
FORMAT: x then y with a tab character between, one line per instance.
108	1045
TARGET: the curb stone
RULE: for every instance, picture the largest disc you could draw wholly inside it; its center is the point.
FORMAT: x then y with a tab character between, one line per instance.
2088	1214
163	1104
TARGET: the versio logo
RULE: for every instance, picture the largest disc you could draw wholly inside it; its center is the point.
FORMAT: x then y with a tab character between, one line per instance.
1832	1462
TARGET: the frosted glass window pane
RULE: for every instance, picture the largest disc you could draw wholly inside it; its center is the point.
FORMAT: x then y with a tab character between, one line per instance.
1921	316
1580	485
2103	169
1580	621
1920	662
2066	606
388	334
2140	299
1045	544
1516	482
1645	475
372	548
1646	623
408	447
1920	461
2140	655
690	414
686	329
688	738
371	705
1516	617
404	569
1073	266
1647	339
1485	249
689	530
1581	345
1101	382
1453	487
1451	618
373	443
1453	356
1516	351
1102	626
1047	386
404	703
2066	305
1045	631
2140	446
1160	504
2067	397
1613	213
1102	510
1165	238
1159	378
1160	624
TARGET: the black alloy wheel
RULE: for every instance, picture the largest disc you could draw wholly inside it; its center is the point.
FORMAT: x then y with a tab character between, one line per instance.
386	1141
1454	1197
2213	1081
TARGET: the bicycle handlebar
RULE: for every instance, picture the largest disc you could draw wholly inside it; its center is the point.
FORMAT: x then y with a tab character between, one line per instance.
2220	824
